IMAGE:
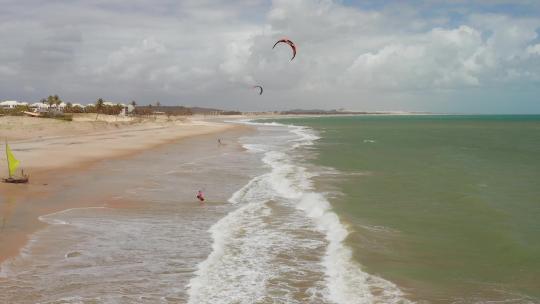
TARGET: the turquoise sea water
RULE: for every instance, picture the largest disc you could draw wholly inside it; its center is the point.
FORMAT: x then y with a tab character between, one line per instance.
447	207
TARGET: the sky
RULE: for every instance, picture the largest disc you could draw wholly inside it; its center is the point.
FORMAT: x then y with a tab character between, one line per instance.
463	56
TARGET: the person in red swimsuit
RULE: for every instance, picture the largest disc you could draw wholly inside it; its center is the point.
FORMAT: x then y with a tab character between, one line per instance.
200	196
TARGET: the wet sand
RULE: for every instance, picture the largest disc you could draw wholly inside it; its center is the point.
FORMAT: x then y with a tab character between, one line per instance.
55	164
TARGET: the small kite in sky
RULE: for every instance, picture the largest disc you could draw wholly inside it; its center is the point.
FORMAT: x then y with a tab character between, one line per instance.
260	89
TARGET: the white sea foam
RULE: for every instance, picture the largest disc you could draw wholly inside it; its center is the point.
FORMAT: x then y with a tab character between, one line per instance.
51	218
241	264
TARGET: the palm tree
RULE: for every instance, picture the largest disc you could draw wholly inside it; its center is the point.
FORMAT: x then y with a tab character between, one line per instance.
50	101
57	101
69	107
133	103
99	107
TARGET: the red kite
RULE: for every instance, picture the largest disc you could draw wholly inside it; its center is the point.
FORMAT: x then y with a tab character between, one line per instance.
290	43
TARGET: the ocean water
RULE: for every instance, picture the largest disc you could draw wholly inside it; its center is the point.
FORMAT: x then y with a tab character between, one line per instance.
447	208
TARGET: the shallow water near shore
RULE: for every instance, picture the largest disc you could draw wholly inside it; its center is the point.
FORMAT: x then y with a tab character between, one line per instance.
283	244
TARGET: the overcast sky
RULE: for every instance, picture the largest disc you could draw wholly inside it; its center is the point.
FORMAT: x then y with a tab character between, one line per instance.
478	56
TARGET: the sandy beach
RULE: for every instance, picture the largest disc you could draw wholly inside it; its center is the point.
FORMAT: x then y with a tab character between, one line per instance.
45	144
54	152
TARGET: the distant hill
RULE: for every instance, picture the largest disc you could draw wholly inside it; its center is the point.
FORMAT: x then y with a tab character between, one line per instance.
169	110
319	112
201	110
181	110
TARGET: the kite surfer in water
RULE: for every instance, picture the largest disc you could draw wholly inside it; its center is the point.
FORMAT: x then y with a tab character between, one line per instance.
200	196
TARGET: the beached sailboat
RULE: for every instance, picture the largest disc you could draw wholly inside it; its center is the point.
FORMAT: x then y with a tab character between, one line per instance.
13	164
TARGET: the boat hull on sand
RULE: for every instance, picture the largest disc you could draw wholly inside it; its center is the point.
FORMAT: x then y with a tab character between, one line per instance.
16	180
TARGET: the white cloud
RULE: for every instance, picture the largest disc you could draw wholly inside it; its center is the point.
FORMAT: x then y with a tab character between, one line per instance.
439	58
534	50
133	62
210	52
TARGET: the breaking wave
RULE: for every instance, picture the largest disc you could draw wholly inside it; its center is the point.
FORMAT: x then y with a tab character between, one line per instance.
284	243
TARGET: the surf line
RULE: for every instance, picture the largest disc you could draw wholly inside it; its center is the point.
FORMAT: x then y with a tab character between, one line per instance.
344	279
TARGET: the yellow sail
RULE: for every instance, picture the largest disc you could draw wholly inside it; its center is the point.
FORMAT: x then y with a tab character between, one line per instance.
13	163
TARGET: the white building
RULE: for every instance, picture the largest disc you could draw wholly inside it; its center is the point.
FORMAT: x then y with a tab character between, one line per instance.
39	105
9	104
126	110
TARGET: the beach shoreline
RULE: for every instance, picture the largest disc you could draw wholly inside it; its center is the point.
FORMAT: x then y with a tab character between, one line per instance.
53	160
74	146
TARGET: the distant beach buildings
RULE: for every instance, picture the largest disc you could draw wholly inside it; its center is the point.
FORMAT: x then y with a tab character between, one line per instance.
46	107
54	107
10	104
38	105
